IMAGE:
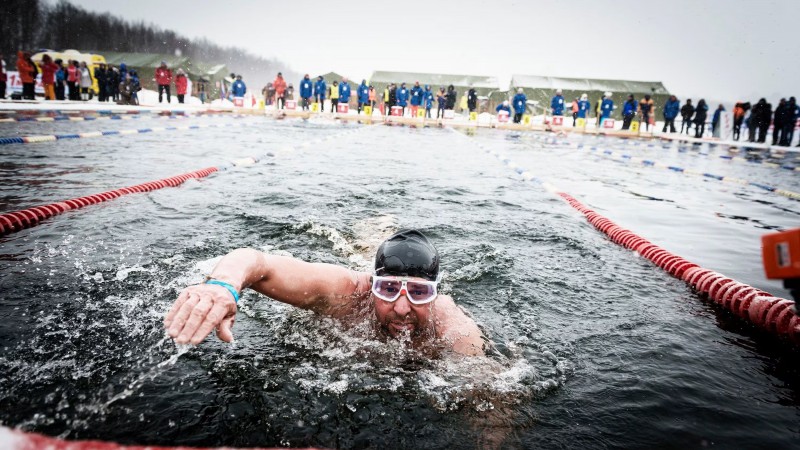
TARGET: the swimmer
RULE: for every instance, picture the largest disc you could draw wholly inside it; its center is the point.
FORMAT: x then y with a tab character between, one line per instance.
400	297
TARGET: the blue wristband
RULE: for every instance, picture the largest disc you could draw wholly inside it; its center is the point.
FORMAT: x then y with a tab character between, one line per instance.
227	286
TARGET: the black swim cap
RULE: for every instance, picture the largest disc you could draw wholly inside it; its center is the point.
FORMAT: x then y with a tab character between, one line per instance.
407	253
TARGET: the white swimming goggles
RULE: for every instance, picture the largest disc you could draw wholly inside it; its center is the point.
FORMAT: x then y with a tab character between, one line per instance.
418	292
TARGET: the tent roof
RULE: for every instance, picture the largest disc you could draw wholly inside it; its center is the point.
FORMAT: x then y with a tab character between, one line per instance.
588	84
331	76
153	60
435	79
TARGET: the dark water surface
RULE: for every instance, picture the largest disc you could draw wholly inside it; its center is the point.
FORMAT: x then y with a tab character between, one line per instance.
594	347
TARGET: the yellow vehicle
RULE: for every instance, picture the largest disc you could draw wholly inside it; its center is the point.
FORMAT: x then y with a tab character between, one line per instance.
92	61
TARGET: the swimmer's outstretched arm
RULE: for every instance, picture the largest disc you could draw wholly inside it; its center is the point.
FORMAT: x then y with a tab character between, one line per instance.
201	308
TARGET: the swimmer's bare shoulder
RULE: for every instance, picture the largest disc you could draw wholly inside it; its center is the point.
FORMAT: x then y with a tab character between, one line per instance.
456	328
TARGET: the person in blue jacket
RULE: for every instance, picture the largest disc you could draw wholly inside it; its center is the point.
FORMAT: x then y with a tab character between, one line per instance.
402	97
520	102
306	89
416	98
606	107
583	107
363	95
238	88
628	112
557	104
428	98
671	110
344	92
320	89
503	107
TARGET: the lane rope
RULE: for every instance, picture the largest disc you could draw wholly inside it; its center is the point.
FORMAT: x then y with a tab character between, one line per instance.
12	222
767	312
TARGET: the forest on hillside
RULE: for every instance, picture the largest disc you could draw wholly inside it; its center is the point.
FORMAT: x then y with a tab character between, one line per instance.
35	24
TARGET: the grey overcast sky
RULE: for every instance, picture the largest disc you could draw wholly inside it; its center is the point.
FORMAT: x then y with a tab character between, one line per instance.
718	49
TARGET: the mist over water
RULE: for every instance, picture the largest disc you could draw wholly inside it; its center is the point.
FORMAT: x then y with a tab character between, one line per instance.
591	346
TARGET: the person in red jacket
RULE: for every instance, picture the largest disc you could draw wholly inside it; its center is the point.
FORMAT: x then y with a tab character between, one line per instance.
280	89
49	69
73	77
163	80
181	83
27	73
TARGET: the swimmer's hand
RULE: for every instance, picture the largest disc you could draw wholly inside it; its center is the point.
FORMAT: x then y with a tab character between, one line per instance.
198	310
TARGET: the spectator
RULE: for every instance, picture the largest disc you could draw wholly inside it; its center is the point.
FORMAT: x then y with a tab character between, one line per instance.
163	80
320	88
49	69
3	76
279	84
583	107
100	75
112	83
200	88
520	104
646	108
344	92
629	109
781	116
416	98
700	116
126	91
687	111
503	107
557	104
61	79
269	94
372	97
671	109
238	88
362	95
451	97
181	84
306	90
334	96
86	81
289	94
760	117
574	111
428	98
402	98
73	80
390	98
791	120
715	131
606	107
136	87
472	100
739	111
463	103
441	100
27	74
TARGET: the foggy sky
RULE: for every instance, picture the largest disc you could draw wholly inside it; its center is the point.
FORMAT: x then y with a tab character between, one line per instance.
717	49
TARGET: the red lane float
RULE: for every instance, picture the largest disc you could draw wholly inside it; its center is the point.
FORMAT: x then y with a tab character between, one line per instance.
17	440
772	314
18	220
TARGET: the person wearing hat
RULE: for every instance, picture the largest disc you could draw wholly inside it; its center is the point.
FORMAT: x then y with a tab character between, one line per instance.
306	89
163	79
181	84
557	104
629	109
399	298
606	107
520	104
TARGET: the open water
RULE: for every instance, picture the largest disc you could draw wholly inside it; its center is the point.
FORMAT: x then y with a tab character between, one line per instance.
593	346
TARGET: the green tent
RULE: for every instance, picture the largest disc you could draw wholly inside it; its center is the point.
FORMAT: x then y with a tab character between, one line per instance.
543	88
145	65
484	85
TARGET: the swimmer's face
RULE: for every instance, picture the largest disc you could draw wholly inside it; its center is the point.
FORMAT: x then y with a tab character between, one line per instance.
401	317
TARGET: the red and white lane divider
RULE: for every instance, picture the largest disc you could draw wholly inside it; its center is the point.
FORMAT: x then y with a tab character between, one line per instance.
18	440
772	314
18	220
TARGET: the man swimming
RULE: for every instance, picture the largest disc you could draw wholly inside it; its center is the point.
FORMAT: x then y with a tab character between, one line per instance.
400	295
